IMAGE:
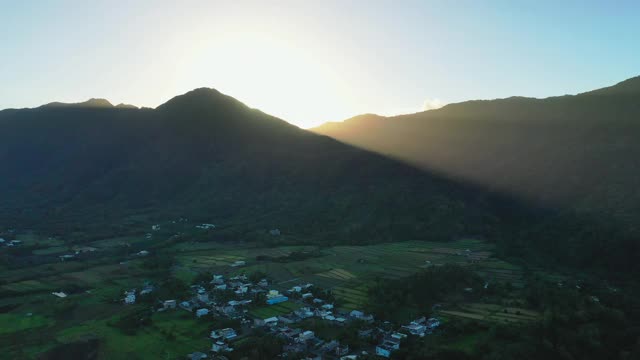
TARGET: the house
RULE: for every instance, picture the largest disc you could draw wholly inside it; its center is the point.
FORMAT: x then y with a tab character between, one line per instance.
197	356
306	335
220	346
295	289
147	289
169	304
330	346
389	344
341	320
272	321
60	294
274	232
205	226
384	351
307	295
187	305
367	333
228	310
66	257
342	350
274	297
297	347
238	263
155	227
202	312
433	323
203	296
224	334
327	306
415	329
263	283
241	290
142	253
303	313
290	334
322	313
217	279
130	297
318	301
286	319
359	315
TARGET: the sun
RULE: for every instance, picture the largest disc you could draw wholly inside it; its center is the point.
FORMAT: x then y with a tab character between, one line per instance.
274	74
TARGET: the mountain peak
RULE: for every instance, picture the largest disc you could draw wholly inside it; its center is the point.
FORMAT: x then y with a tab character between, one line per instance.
201	99
629	86
91	103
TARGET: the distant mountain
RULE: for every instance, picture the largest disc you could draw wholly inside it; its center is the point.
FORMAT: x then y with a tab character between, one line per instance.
91	103
97	169
582	150
578	154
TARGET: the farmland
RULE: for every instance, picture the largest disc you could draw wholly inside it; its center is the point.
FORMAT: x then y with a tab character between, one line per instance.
491	313
95	287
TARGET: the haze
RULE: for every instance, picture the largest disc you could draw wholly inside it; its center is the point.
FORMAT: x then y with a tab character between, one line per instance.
313	61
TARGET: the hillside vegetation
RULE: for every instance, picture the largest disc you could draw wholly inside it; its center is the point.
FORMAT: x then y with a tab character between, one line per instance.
577	155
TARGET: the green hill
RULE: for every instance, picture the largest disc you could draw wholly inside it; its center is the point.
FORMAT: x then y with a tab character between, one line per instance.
100	170
576	154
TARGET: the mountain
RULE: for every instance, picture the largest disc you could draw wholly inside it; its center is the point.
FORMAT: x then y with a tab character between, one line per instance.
580	151
579	155
91	103
92	169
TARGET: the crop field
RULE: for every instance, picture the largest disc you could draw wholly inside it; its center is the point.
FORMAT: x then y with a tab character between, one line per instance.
492	313
274	310
351	298
348	267
347	271
10	323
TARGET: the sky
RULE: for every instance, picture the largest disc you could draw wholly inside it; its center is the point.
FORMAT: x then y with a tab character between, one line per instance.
313	61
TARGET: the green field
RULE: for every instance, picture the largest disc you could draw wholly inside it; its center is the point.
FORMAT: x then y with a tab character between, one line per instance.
11	323
347	271
268	311
492	313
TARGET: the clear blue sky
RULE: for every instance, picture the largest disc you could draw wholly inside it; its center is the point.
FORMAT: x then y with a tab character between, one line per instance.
313	61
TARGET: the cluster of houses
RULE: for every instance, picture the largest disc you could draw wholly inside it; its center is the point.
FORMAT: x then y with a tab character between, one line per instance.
10	243
390	341
232	297
130	295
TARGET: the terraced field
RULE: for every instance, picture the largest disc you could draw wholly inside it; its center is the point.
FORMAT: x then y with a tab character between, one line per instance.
492	313
351	298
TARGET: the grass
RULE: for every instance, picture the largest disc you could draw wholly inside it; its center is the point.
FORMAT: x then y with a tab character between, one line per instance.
466	343
11	323
268	311
173	335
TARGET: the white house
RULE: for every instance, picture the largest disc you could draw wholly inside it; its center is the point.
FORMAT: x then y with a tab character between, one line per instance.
220	346
130	298
202	312
224	334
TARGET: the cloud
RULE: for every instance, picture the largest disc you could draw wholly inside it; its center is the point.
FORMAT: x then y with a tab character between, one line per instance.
432	104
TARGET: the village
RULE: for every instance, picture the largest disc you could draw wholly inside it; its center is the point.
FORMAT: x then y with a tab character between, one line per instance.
234	298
